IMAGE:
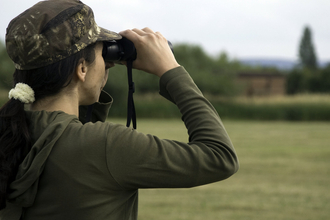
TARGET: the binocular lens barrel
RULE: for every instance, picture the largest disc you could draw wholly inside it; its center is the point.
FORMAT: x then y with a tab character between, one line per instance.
121	50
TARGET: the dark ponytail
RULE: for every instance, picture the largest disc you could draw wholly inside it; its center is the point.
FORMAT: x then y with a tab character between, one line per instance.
15	139
14	142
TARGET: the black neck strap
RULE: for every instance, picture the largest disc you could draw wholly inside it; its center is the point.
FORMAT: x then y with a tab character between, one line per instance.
131	115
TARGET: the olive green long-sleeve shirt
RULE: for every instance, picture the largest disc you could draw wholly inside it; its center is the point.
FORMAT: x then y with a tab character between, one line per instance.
94	170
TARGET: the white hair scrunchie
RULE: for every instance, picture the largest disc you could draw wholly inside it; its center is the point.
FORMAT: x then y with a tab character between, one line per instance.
22	92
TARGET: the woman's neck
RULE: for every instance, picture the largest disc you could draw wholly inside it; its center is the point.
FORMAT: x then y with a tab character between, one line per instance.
65	101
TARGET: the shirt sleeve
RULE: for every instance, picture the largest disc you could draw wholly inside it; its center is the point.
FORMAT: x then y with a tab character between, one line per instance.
136	160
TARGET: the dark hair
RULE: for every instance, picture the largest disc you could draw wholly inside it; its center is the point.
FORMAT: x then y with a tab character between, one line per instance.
15	139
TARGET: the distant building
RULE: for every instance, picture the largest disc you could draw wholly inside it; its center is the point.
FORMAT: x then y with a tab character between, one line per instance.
262	84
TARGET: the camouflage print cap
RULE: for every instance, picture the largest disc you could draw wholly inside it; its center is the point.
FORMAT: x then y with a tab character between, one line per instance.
51	31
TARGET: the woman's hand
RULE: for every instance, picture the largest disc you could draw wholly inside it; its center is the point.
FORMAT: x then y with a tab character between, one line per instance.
153	52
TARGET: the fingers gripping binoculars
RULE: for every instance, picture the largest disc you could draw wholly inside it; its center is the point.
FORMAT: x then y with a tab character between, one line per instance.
121	50
124	50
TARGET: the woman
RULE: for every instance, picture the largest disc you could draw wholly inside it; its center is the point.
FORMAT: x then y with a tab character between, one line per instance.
55	167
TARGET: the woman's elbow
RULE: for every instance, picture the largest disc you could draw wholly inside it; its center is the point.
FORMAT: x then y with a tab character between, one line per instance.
229	168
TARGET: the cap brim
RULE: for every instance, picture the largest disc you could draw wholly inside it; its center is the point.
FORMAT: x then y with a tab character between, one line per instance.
106	35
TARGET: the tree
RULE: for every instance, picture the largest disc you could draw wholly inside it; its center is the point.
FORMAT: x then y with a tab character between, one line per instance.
6	68
306	50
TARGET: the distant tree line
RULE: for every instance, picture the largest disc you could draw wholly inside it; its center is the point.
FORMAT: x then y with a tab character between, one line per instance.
214	75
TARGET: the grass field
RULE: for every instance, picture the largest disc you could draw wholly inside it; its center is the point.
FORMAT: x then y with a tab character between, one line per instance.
284	174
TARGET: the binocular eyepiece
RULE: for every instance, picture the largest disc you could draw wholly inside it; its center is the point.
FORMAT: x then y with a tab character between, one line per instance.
121	50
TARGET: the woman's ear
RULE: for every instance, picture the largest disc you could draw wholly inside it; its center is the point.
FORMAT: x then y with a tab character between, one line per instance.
81	70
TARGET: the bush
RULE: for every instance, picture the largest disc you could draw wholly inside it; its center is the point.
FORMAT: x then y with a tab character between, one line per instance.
325	80
307	80
295	82
291	108
6	68
285	112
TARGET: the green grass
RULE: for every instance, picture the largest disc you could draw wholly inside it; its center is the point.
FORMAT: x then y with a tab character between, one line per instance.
284	174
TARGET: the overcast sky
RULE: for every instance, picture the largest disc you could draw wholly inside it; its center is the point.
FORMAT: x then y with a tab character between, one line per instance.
242	28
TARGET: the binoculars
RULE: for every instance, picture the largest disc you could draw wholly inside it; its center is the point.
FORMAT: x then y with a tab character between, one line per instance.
124	50
121	50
